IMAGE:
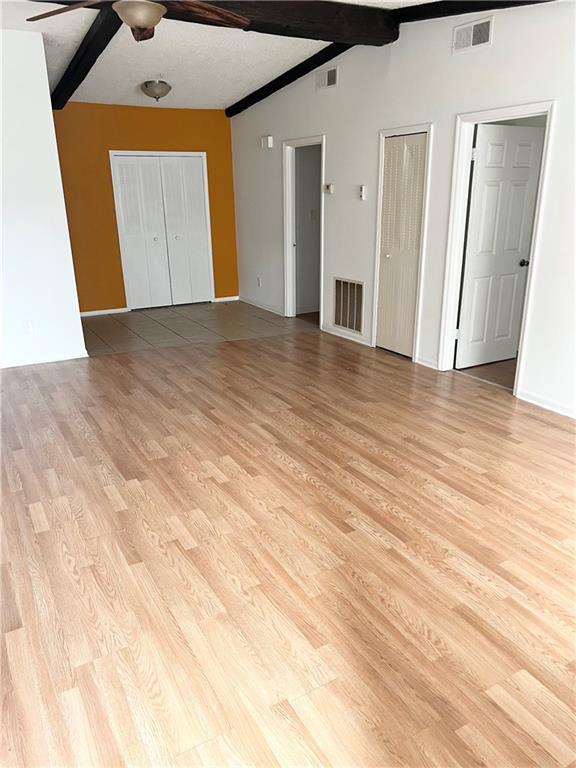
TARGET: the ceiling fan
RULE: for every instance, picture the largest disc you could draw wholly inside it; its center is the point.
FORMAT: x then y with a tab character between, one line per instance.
142	16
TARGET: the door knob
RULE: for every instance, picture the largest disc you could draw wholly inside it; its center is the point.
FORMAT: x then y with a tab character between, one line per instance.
177	237
523	262
387	256
155	239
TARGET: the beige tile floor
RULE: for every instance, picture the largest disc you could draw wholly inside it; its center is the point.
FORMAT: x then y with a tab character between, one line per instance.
186	324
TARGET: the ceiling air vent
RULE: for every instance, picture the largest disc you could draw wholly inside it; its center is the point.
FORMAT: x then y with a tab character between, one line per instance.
327	78
348	304
474	35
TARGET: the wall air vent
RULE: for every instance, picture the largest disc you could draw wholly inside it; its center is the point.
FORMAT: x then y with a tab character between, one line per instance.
327	78
474	35
348	298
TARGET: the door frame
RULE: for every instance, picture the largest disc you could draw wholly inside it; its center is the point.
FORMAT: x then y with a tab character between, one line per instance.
113	153
457	225
289	173
384	134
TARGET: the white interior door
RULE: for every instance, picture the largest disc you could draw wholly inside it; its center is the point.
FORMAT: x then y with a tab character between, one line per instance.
186	215
501	218
142	232
403	198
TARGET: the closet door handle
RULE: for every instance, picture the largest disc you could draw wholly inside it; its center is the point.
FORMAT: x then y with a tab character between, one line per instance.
177	237
156	239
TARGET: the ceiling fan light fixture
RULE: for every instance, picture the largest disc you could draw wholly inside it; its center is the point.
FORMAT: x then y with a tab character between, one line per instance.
139	14
156	89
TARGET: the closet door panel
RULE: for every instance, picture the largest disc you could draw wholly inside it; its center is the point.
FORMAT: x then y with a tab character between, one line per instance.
183	182
402	202
130	234
141	229
156	251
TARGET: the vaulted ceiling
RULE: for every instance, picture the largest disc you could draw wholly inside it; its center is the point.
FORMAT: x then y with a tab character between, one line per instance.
208	67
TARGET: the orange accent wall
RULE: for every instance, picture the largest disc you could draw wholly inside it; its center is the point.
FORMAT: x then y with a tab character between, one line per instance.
85	134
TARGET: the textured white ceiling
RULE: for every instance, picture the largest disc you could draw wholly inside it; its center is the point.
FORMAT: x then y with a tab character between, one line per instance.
62	34
208	67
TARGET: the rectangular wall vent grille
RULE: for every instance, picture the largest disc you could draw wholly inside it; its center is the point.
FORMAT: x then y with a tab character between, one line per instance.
473	35
348	299
327	78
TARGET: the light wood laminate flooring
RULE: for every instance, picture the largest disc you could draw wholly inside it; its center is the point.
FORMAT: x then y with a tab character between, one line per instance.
290	551
502	373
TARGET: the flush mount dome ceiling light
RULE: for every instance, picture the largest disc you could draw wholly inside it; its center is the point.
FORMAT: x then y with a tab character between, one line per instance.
156	89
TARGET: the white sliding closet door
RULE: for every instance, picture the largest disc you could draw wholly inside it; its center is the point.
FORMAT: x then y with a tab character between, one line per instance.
184	185
142	232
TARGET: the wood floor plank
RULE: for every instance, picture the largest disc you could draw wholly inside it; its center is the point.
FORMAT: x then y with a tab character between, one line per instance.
280	552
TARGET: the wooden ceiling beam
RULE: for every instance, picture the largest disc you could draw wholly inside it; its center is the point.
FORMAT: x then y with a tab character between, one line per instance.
295	73
310	19
101	31
345	23
433	10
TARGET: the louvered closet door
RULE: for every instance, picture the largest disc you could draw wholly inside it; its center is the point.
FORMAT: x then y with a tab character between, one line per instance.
141	229
401	223
187	233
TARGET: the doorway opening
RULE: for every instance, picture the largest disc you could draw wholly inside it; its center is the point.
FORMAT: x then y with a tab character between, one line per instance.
493	255
505	172
308	196
402	205
303	223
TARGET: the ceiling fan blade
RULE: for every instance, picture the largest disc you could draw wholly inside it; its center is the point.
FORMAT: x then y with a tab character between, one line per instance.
58	11
142	33
196	10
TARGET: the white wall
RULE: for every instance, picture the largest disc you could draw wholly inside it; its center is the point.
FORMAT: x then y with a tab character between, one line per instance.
40	315
411	82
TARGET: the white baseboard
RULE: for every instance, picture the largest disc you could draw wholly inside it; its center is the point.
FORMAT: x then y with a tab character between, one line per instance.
104	312
225	298
427	362
253	303
344	334
550	405
44	359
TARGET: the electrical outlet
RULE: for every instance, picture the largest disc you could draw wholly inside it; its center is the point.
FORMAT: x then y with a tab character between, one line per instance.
259	282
